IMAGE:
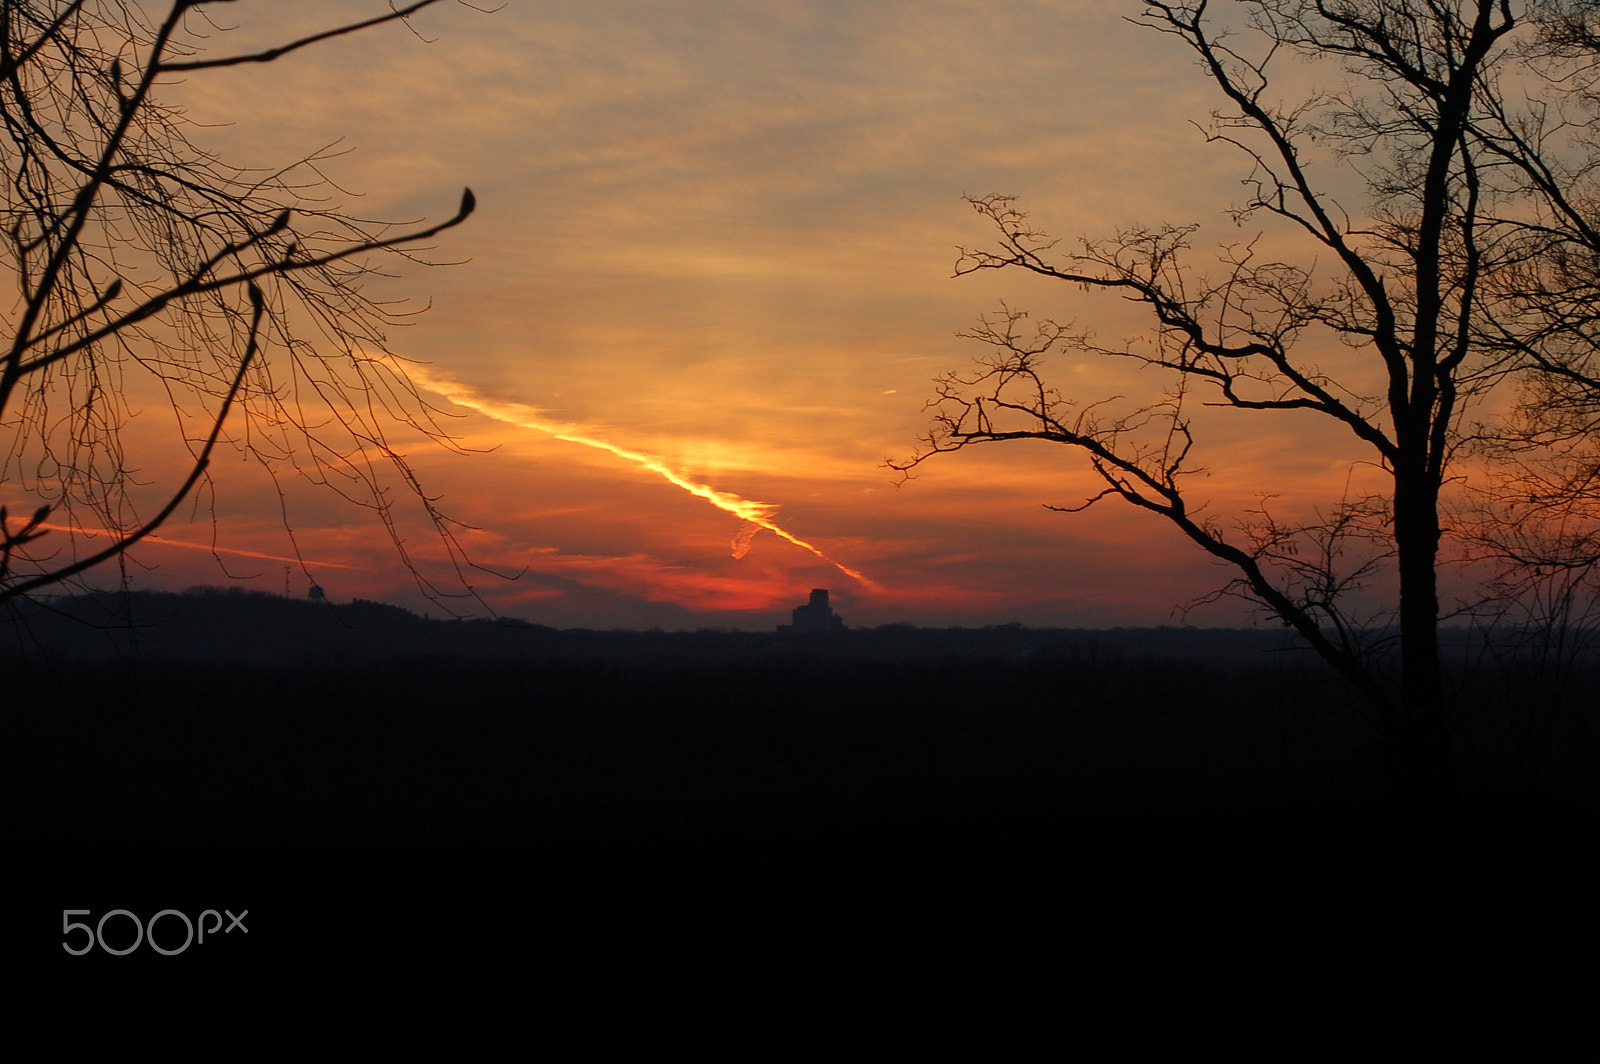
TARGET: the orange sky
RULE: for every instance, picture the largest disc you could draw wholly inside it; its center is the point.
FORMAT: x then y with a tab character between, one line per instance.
718	238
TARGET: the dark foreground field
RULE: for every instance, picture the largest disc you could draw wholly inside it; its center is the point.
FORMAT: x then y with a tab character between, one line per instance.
1116	818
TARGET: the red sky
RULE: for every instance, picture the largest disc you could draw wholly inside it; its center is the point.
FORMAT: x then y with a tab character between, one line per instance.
719	237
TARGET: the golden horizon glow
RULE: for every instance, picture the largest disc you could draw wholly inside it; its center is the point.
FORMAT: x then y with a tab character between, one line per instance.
712	259
756	515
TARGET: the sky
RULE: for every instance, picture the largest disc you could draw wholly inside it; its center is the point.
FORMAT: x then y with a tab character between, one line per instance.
710	280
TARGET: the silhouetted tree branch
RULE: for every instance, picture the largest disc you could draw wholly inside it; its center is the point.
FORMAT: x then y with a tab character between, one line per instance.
1543	311
1468	187
139	258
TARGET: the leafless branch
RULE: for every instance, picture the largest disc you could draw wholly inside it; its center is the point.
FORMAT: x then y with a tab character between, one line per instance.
138	255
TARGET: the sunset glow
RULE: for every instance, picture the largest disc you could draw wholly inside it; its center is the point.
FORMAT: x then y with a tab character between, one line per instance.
756	515
714	245
158	540
798	493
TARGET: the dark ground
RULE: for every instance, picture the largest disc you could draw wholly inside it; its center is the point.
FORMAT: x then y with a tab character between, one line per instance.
1069	811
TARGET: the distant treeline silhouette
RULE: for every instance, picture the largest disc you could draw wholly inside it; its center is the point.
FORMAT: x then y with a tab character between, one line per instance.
238	625
999	777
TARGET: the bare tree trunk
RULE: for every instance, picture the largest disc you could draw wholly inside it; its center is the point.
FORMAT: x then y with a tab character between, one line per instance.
1417	740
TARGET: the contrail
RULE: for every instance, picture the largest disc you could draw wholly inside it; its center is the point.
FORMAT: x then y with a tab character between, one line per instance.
158	538
758	515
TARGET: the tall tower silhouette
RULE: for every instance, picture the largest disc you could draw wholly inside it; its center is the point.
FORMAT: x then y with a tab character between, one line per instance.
817	615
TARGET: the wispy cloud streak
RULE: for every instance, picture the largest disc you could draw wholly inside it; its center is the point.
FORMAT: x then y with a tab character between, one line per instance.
757	515
157	539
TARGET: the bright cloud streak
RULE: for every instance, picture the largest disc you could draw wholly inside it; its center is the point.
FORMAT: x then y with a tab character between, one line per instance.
157	539
757	515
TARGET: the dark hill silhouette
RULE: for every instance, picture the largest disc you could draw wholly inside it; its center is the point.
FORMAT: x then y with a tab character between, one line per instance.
235	625
1074	793
232	625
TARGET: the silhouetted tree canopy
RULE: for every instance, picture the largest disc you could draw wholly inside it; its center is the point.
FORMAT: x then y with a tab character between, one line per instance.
142	264
1452	280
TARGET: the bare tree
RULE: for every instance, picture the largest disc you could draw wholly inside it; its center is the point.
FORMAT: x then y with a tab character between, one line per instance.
139	259
1533	526
1543	308
1412	282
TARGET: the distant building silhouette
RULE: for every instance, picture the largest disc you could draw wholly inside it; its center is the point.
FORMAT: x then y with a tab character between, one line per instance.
814	616
316	594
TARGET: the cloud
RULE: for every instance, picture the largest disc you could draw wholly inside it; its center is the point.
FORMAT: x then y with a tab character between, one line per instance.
755	515
714	246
